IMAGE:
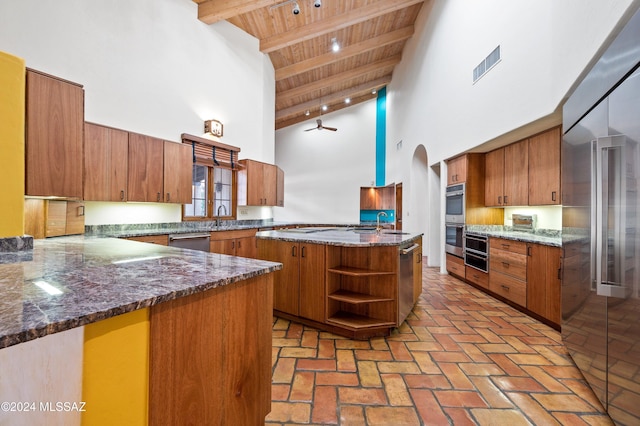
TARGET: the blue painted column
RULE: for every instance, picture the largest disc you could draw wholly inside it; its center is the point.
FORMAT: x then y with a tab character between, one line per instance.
381	136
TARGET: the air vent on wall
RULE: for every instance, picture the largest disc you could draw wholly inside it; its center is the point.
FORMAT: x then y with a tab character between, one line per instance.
486	64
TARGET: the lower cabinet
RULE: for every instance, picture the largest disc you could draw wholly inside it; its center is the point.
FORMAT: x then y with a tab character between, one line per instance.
417	272
508	269
544	282
299	288
53	218
455	266
235	243
477	277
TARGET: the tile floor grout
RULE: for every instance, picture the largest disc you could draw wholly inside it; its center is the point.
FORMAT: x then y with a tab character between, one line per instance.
460	358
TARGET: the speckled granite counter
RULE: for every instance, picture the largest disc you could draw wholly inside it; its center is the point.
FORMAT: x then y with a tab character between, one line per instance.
341	236
100	278
545	237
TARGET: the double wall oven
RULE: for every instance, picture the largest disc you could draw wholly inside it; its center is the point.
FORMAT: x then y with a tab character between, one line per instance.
454	219
476	251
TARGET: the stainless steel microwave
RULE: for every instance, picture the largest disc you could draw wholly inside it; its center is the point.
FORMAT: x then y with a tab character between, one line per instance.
455	204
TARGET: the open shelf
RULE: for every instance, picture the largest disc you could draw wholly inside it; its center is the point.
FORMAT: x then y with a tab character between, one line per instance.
351	320
356	298
357	272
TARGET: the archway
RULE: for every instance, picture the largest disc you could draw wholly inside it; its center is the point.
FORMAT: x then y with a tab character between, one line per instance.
418	216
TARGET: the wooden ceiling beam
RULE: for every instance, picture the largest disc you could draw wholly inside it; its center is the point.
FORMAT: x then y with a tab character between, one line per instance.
334	97
281	124
344	53
337	22
339	78
212	11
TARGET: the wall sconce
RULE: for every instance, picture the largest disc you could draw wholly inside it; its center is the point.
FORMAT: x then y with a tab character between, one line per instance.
213	127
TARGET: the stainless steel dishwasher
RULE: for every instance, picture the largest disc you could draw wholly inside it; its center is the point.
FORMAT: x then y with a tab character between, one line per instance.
405	282
190	241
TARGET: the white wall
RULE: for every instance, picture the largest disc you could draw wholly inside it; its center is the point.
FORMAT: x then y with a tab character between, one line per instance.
324	170
150	67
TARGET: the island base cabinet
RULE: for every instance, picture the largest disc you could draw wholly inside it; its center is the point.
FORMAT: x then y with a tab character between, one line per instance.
210	356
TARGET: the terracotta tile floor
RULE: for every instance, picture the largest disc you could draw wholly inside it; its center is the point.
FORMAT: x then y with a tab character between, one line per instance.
461	358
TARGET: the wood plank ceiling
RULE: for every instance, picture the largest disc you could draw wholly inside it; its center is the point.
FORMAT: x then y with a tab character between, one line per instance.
371	35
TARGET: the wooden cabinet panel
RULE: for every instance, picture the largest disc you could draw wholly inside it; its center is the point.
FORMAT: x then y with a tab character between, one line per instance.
106	155
312	281
146	157
257	184
368	198
246	247
519	247
162	240
56	218
516	174
270	177
279	187
508	287
286	287
477	277
510	263
455	266
54	137
210	356
457	170
494	178
543	285
544	168
178	169
75	218
234	243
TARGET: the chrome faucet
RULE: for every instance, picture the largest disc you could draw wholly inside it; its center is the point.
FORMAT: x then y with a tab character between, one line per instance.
225	213
378	227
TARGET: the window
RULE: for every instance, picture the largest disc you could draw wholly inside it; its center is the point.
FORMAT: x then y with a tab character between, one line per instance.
212	192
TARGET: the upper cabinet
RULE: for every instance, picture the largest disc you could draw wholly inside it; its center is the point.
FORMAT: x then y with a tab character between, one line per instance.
507	176
105	163
257	184
146	158
54	136
457	170
178	172
544	168
279	187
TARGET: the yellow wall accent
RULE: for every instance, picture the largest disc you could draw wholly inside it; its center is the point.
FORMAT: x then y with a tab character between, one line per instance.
12	110
115	382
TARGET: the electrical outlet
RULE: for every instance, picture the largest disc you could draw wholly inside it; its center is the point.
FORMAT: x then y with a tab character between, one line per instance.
244	211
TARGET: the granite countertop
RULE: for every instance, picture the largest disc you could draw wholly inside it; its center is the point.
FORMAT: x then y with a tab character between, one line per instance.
363	237
545	237
103	277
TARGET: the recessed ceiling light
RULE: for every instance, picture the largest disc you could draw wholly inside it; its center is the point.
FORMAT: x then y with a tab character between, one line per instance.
373	92
334	45
307	112
347	101
324	107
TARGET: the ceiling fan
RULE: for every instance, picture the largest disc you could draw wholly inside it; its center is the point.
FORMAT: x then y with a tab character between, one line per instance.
320	127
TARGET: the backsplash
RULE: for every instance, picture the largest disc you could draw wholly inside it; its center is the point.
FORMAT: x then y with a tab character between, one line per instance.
548	217
500	228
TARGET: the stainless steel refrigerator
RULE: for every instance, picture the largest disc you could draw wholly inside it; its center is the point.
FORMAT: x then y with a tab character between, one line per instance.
601	227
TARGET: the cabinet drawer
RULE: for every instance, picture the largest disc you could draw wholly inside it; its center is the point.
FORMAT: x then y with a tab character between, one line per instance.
509	263
455	265
509	288
508	245
477	277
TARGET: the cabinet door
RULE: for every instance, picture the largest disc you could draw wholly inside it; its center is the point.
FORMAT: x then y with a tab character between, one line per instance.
286	282
75	218
417	273
368	198
270	177
54	139
178	172
516	174
544	168
106	153
246	247
494	178
279	187
536	283
56	218
554	284
146	157
457	170
312	290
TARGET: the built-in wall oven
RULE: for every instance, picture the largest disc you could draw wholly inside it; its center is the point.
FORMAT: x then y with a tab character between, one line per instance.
454	239
476	251
454	220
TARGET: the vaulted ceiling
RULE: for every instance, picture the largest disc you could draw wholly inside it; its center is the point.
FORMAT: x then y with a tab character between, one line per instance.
371	35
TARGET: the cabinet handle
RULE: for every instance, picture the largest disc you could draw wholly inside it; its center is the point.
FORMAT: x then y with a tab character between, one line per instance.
505	200
233	245
505	287
499	200
529	251
168	197
80	210
158	197
122	194
559	273
505	264
553	196
239	244
505	246
302	252
294	251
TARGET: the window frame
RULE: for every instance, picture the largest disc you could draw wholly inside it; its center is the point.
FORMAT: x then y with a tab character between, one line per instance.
211	215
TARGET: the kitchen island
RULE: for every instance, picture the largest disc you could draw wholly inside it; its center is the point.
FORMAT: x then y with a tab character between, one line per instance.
134	333
354	282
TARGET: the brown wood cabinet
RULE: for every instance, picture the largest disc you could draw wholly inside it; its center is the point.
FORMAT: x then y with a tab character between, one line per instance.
544	168
455	266
477	277
378	197
507	176
210	356
178	172
417	272
234	243
106	158
299	288
543	281
257	183
508	269
146	175
54	136
53	218
279	187
162	240
457	170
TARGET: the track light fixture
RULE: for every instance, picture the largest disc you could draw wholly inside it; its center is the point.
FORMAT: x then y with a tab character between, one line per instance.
317	3
296	6
296	9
